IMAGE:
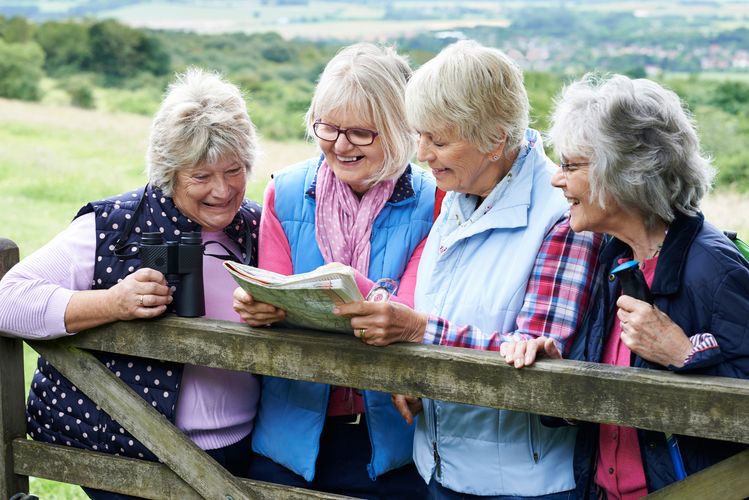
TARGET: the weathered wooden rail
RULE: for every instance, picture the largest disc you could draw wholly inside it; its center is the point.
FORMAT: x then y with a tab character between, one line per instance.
694	405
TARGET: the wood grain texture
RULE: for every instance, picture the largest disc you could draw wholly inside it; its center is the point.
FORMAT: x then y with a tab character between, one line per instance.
127	475
727	480
184	457
12	393
712	407
8	255
12	416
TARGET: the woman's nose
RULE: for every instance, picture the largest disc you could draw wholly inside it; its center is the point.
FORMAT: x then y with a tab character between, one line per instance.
424	152
219	186
559	179
342	143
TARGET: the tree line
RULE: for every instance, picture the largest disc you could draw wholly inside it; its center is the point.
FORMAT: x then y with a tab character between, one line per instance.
278	77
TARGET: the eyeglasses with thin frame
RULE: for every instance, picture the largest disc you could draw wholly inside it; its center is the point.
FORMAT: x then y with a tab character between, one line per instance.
356	136
571	167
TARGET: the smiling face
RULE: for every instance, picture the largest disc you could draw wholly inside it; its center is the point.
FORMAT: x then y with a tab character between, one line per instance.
354	165
585	214
211	194
458	165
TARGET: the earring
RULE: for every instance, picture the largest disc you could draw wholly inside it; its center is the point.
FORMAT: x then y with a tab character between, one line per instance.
495	157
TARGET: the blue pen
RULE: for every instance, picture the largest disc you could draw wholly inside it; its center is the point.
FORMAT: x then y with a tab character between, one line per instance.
673	450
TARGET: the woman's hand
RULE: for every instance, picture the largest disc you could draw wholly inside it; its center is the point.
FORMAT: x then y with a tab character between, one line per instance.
407	406
384	323
650	333
522	353
142	294
255	313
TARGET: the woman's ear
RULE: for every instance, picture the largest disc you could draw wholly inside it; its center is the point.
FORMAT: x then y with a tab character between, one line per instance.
499	148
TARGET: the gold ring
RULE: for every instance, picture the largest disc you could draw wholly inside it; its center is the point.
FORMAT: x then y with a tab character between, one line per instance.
360	332
140	301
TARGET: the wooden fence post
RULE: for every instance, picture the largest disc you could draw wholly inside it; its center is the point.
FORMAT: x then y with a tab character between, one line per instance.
12	389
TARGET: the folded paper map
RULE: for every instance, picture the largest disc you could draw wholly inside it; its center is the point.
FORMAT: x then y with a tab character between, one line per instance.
307	298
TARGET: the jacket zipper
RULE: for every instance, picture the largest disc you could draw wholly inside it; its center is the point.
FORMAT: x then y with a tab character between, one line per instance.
437	463
436	453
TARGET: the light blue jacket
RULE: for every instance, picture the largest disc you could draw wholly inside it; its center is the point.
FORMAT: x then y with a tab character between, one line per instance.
292	413
474	270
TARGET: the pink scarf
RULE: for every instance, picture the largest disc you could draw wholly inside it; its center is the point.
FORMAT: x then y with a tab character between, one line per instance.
343	222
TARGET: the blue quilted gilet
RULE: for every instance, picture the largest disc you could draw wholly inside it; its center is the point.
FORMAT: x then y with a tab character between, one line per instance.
292	413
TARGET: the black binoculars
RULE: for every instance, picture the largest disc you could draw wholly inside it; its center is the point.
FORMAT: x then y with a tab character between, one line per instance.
182	264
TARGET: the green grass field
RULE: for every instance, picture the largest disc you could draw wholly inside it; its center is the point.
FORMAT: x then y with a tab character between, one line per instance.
57	158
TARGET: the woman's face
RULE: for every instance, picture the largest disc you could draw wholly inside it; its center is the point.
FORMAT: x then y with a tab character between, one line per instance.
352	164
585	215
211	194
457	164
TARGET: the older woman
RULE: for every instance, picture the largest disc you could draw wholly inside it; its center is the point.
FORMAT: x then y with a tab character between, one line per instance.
363	205
631	167
501	258
201	149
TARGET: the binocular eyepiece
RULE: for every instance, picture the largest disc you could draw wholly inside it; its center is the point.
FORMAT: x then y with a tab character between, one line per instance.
182	264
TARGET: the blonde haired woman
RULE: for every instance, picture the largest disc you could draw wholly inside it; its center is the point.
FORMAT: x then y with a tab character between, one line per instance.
362	204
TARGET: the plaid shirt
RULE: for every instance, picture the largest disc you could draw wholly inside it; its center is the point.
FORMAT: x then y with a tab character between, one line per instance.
555	299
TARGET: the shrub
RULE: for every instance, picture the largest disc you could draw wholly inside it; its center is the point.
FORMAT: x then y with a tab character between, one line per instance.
81	94
20	70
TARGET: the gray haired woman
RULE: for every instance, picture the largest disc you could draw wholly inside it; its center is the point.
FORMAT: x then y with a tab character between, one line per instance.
201	149
632	168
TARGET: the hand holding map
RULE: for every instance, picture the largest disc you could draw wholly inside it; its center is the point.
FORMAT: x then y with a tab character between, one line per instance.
307	298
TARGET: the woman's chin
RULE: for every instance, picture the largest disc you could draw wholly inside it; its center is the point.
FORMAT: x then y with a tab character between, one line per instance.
577	225
215	223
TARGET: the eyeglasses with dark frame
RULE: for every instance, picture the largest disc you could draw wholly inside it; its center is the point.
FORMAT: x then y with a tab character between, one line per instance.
571	167
356	136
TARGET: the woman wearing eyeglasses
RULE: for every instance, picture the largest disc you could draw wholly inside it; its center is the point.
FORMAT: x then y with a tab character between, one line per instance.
362	204
632	168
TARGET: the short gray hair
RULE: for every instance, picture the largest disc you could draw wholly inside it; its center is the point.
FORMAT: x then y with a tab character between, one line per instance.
641	141
473	91
369	80
202	119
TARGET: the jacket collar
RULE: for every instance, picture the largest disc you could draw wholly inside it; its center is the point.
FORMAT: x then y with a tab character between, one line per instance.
681	235
154	211
507	205
402	191
164	213
673	257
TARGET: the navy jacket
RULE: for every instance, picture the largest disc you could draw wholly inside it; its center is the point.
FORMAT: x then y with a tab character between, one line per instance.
702	283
